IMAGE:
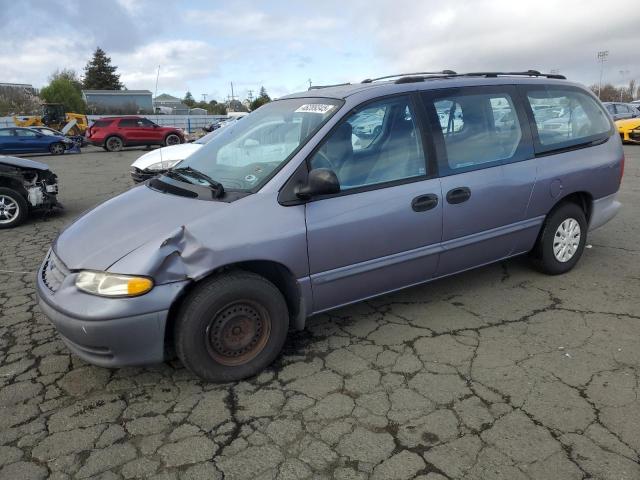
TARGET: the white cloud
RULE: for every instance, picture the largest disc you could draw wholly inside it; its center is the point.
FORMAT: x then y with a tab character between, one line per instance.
506	35
181	62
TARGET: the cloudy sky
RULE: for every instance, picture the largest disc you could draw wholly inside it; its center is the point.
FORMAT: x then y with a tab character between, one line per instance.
203	45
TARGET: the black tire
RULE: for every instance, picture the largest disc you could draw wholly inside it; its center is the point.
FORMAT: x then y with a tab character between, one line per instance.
221	307
113	144
172	139
57	148
9	197
544	258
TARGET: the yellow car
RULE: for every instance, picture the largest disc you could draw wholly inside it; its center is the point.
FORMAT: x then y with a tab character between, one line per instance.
629	130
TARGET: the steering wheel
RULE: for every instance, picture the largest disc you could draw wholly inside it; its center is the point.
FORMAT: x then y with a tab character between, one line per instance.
320	160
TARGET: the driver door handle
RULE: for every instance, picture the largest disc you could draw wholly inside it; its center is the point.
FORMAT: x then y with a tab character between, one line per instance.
424	202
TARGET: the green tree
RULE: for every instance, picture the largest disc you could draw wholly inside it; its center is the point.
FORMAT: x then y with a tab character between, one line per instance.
217	108
99	74
188	100
64	87
263	97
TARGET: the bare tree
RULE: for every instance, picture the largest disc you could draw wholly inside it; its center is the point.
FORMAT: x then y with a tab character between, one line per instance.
18	101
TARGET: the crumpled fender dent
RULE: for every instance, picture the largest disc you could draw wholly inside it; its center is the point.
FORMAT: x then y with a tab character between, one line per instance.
179	257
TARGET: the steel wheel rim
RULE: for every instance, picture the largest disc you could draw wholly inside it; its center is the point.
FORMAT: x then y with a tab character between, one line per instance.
173	140
9	209
114	144
238	332
566	240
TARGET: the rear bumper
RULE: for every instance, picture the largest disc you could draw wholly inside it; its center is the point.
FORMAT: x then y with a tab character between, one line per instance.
604	209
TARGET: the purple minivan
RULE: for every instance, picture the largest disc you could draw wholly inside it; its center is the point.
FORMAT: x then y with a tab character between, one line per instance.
329	197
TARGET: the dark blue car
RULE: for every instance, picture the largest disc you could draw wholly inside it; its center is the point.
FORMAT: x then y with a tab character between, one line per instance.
26	140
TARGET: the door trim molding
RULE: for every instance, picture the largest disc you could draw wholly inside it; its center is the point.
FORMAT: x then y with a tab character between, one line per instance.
339	273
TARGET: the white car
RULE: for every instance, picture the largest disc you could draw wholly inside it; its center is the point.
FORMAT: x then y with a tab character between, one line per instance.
161	159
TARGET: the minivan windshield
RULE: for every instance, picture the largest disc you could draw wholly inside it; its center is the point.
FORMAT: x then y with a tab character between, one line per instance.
244	155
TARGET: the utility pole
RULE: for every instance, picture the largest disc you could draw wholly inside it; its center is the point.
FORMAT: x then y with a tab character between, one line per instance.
250	95
309	83
624	73
204	97
602	57
155	95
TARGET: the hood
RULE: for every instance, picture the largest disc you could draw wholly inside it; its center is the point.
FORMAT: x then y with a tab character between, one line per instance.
23	163
628	124
118	226
173	152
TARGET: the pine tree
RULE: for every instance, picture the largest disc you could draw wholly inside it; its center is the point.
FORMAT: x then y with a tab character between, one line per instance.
188	100
261	100
99	74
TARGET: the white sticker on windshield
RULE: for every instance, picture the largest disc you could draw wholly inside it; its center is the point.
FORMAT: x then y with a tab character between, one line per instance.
315	108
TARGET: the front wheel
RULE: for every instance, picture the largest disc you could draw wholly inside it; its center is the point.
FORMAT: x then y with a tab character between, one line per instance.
56	148
231	327
13	208
562	240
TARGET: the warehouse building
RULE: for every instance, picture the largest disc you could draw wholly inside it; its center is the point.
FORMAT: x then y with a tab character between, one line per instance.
118	102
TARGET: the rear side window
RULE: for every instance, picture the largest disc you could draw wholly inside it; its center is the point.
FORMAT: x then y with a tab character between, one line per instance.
479	130
128	122
6	133
101	123
566	117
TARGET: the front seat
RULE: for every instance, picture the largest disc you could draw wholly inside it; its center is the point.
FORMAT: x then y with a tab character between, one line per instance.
338	149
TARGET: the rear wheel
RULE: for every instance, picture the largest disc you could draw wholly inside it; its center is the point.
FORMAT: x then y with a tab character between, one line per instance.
113	144
56	148
172	139
231	327
562	240
13	208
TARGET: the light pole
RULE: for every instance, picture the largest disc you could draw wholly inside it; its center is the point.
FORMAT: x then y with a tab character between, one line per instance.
602	57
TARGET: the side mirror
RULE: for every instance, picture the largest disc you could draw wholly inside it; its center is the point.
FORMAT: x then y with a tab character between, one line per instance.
321	181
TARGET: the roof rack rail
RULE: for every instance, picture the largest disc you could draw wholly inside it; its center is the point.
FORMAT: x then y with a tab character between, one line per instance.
527	73
319	87
443	72
418	77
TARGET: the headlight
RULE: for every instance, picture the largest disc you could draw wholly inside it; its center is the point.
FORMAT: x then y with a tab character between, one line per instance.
113	285
162	165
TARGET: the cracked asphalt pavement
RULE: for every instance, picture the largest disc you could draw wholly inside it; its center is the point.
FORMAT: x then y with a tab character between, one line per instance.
498	373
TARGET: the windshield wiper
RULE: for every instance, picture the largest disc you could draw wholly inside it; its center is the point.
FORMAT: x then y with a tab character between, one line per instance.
216	187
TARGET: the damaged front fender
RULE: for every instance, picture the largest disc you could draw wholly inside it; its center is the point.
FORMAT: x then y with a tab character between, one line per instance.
33	180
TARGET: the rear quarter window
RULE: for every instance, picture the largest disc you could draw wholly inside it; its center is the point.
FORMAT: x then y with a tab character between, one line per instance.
102	123
566	117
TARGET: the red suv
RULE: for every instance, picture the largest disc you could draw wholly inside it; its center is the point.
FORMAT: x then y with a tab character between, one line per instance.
114	133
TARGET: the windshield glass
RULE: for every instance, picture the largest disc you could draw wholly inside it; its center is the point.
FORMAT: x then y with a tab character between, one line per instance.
242	156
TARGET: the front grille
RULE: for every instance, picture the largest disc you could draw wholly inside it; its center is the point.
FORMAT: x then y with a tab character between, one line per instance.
54	272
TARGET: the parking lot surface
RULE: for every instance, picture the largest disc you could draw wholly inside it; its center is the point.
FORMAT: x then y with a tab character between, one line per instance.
498	373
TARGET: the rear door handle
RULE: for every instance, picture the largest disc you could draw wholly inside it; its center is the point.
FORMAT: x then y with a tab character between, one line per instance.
458	195
424	202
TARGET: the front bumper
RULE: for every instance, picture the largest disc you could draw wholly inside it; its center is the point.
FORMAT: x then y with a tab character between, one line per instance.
108	332
630	136
140	176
